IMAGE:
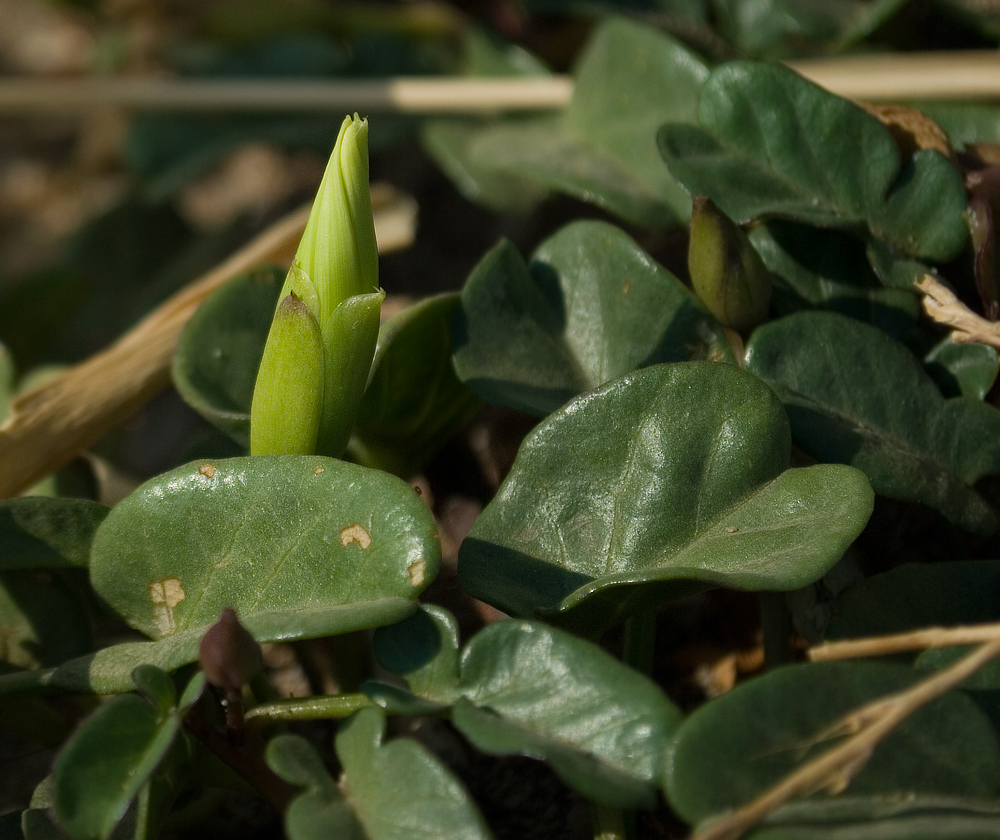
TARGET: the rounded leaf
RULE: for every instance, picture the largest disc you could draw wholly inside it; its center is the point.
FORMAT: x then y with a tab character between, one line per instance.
218	353
400	790
535	690
857	397
285	540
662	482
735	747
590	307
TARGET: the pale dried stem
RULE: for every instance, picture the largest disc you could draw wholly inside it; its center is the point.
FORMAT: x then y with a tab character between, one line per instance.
939	75
925	639
941	304
53	423
835	768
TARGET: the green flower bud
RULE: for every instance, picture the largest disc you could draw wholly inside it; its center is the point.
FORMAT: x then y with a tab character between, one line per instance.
288	395
334	277
726	271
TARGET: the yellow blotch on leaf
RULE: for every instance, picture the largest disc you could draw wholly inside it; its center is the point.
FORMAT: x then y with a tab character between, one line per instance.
165	595
355	533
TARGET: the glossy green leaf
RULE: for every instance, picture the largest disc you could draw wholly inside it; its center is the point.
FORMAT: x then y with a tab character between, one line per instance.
917	595
156	686
534	690
265	535
787	28
772	143
738	745
628	81
43	620
414	402
101	769
400	790
300	546
452	144
590	307
965	122
855	396
884	818
218	354
39	532
321	811
665	481
962	370
424	650
827	269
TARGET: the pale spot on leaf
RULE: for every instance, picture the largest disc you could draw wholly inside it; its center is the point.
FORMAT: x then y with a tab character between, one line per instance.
165	595
732	529
207	470
318	471
355	533
416	571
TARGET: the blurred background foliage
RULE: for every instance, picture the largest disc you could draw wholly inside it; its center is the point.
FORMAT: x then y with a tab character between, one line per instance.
104	214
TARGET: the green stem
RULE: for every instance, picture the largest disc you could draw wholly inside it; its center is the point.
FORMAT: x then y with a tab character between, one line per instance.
307	708
640	641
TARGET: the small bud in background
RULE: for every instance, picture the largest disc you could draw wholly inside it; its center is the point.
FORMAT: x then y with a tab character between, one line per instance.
288	395
229	654
726	272
335	277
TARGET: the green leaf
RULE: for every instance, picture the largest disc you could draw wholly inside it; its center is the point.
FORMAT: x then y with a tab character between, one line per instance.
400	790
965	122
916	819
735	747
855	396
265	535
591	306
321	811
101	770
788	28
300	546
827	269
218	354
414	402
918	595
628	81
156	687
772	143
424	650
663	482
534	690
43	620
452	145
39	532
962	370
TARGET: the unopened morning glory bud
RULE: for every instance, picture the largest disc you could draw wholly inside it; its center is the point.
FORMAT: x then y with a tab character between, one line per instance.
335	278
288	396
726	272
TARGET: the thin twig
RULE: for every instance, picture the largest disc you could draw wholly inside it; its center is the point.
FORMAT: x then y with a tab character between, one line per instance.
401	95
929	75
941	304
938	75
927	638
53	423
835	768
